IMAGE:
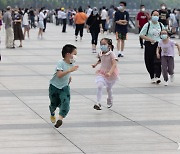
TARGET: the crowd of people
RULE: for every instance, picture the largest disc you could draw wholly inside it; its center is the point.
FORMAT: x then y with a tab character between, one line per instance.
155	32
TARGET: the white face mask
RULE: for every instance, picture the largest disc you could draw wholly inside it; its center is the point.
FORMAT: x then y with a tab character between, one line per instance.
73	60
143	9
163	7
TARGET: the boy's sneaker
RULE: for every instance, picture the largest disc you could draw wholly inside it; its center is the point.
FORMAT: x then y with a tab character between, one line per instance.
158	81
109	103
58	123
76	38
53	119
120	55
165	83
172	78
97	106
93	50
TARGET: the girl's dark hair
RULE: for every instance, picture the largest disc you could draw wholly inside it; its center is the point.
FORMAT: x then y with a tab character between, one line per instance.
68	48
109	41
154	11
26	10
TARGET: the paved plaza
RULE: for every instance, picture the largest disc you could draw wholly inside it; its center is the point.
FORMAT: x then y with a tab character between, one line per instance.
145	118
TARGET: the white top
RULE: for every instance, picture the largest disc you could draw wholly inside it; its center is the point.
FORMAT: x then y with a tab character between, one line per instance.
25	19
89	12
59	14
42	16
63	15
104	14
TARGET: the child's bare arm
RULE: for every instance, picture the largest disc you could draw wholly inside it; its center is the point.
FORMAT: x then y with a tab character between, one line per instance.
94	65
60	74
178	47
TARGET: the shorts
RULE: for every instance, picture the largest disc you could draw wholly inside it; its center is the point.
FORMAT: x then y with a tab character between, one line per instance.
59	98
121	36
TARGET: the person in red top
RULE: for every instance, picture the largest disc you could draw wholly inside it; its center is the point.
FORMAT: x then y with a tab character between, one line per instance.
142	18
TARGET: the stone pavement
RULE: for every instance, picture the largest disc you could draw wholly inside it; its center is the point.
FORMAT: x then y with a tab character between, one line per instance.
145	118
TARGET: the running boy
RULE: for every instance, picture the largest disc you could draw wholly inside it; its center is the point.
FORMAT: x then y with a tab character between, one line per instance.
167	56
59	90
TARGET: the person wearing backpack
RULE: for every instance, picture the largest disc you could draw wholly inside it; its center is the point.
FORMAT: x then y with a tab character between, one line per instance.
151	34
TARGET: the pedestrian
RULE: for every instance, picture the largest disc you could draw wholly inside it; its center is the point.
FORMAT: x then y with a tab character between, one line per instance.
166	47
79	19
121	19
164	16
7	19
142	18
45	20
17	26
59	90
94	26
104	16
151	34
32	17
107	75
26	23
41	17
64	20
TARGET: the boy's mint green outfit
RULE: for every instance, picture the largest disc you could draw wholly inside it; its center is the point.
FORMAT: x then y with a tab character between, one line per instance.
59	90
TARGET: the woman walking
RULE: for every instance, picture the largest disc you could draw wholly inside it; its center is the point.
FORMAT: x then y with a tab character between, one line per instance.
151	34
26	23
94	25
79	19
17	20
41	23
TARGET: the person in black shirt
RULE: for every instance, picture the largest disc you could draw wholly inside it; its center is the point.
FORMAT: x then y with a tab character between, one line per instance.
121	20
95	26
32	16
164	15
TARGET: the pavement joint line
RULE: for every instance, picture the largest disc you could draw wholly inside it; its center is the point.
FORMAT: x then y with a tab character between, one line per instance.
110	109
132	120
43	119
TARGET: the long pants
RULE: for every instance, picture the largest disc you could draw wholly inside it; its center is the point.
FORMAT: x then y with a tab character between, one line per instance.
140	39
9	37
32	21
79	28
45	21
59	98
153	65
64	21
94	36
104	25
102	82
167	63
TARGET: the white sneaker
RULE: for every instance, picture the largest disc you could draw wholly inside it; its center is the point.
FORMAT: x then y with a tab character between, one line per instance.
165	83
97	106
153	80
172	78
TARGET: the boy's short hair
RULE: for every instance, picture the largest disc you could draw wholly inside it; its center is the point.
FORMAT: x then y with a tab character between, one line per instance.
122	2
68	48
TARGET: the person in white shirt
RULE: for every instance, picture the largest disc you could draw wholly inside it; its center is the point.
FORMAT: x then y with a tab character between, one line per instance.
64	19
89	10
104	16
41	23
59	16
26	23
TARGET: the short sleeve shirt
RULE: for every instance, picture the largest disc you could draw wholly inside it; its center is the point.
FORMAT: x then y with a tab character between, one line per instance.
121	16
63	81
167	49
163	16
154	31
142	18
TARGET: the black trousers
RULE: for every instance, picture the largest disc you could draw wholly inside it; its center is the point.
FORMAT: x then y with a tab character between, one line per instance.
45	21
104	25
140	39
94	35
79	28
64	21
153	65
